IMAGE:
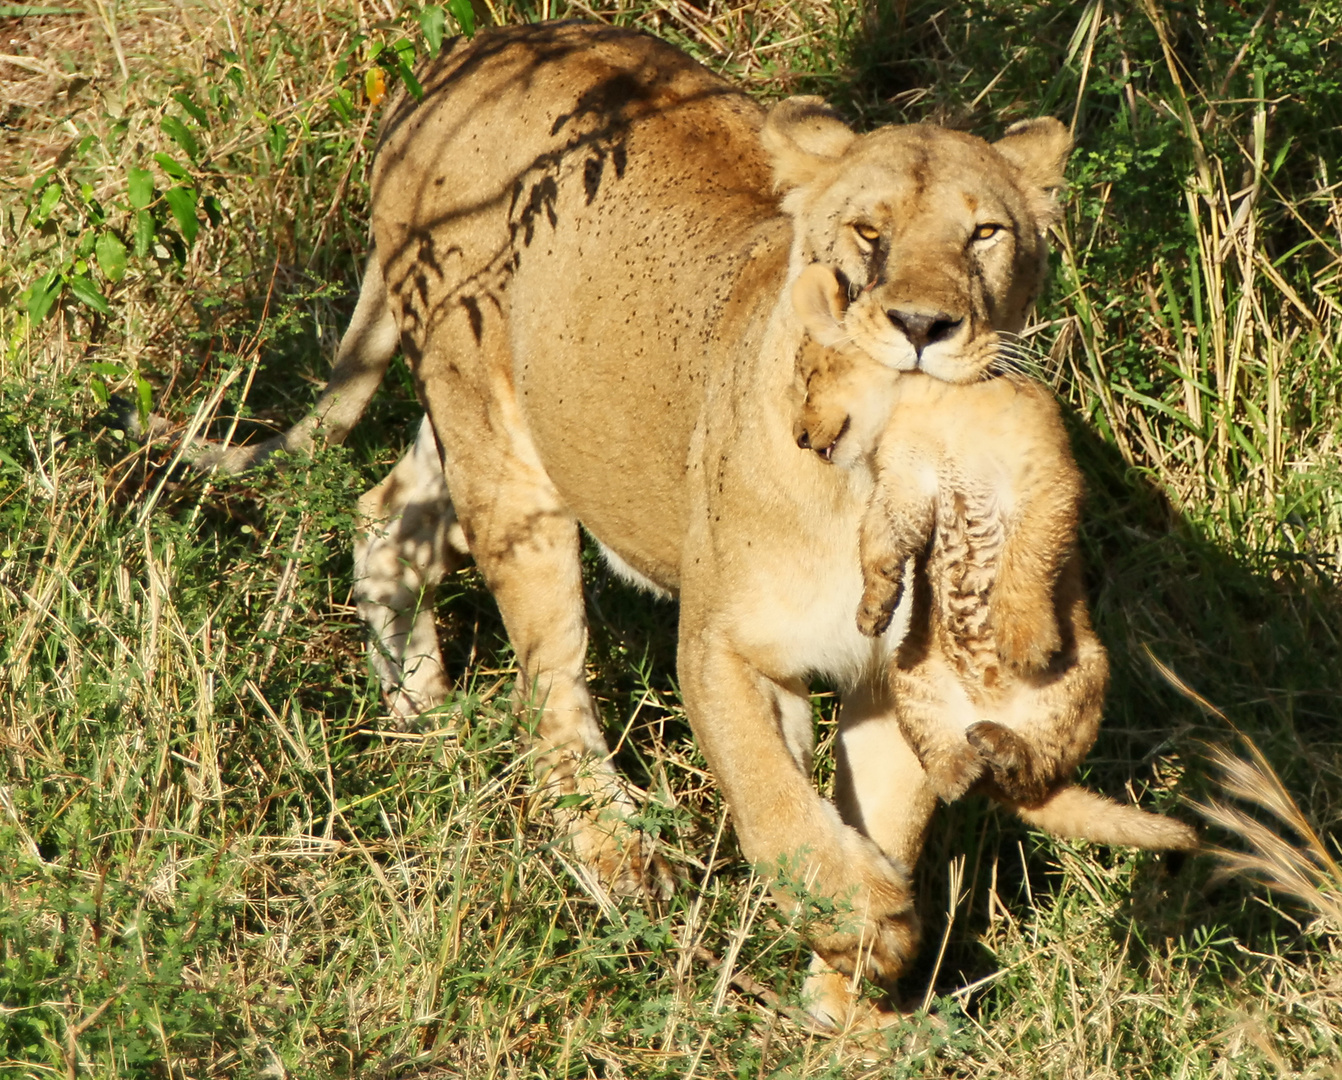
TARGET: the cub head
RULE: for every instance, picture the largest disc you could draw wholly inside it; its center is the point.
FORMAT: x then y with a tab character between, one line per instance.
845	394
938	239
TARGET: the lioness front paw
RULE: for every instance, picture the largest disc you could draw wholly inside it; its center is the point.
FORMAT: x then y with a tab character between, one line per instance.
878	933
832	998
614	857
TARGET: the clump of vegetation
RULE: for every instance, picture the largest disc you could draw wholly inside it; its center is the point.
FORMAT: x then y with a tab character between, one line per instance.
214	859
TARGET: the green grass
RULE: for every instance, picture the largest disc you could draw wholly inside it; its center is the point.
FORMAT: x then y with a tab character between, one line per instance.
214	859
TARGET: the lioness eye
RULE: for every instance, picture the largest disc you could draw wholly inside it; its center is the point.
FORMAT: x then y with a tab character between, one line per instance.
869	233
987	232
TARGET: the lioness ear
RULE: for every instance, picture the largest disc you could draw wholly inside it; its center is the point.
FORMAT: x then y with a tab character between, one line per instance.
802	135
1039	149
820	303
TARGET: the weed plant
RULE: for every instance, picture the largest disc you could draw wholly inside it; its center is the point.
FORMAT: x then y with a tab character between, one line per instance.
216	860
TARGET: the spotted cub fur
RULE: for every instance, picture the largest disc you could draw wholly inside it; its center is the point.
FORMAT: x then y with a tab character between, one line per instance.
1000	680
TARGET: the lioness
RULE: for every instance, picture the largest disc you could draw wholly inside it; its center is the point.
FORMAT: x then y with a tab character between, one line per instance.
580	247
1000	681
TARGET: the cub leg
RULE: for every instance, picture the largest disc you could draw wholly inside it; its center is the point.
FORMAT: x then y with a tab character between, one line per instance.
1016	772
1050	738
526	544
410	539
896	526
927	698
1038	544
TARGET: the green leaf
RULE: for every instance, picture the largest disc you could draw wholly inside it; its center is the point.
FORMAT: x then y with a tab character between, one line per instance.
182	202
145	395
431	21
342	104
144	233
140	187
411	83
464	14
88	294
171	167
214	209
181	135
278	139
51	195
195	111
111	254
107	370
42	294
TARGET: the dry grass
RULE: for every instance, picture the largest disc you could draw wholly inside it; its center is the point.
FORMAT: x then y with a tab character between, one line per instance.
213	862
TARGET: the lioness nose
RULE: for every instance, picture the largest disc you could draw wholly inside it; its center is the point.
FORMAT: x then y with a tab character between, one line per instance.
922	329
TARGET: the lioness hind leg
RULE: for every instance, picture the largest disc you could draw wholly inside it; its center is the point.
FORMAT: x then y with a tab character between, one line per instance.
526	544
410	539
528	549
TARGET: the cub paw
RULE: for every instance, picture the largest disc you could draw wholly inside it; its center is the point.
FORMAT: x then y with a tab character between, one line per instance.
952	770
874	614
882	588
1010	759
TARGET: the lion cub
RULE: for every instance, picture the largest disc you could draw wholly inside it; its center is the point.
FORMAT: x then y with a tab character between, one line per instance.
1000	680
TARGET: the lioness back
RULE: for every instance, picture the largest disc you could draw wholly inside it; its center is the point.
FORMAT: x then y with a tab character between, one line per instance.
577	202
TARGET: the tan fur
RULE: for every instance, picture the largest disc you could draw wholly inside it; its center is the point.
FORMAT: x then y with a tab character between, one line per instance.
1001	680
581	242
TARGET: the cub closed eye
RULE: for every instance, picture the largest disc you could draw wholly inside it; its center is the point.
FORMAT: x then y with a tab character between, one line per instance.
869	233
988	231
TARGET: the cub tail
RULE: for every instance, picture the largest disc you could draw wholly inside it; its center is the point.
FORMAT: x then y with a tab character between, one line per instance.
1075	812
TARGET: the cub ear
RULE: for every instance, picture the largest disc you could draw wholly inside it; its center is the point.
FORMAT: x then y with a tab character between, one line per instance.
803	135
1039	149
820	302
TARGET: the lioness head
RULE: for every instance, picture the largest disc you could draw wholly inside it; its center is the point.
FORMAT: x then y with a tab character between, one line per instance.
938	238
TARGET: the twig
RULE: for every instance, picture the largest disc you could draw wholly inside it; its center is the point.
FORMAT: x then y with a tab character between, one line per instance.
766	997
73	1031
